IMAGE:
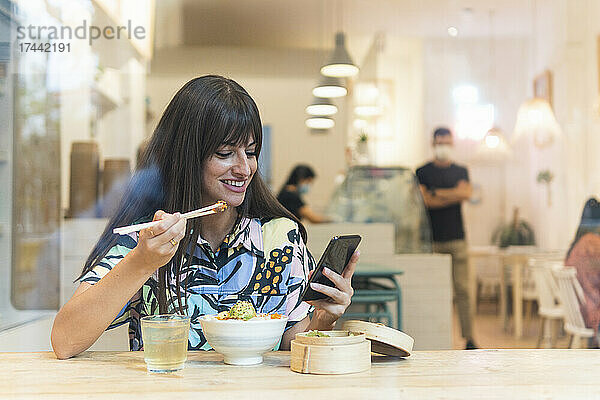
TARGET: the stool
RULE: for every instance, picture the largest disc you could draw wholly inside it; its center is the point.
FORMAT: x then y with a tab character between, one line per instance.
377	295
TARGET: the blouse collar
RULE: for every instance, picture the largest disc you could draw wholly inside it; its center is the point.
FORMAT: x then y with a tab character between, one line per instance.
247	232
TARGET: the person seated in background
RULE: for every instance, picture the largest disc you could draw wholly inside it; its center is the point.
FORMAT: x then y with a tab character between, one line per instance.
290	196
584	256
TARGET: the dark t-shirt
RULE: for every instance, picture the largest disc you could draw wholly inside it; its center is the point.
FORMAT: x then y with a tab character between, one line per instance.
291	201
447	222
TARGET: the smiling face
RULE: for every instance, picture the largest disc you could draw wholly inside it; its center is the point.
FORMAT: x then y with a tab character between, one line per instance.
227	173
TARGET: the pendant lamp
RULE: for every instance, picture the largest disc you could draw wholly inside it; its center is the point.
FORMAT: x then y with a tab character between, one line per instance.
536	118
340	64
321	106
330	87
493	148
320	123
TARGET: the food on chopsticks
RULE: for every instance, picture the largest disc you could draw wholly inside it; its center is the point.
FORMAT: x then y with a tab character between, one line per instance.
244	310
219	206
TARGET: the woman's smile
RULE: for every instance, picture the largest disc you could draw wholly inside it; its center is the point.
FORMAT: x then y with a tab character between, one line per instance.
238	186
228	172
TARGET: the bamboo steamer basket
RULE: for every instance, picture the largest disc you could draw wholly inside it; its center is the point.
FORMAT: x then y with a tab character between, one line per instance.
384	340
334	355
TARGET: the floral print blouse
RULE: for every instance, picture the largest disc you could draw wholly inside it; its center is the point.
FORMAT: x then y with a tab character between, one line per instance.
265	263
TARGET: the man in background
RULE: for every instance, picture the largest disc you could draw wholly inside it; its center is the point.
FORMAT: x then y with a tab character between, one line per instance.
445	185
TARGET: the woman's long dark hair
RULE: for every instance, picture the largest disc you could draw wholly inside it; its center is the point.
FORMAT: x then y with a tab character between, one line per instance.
206	113
590	221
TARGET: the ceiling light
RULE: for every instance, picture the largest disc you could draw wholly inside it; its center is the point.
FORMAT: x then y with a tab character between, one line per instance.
330	87
452	31
493	147
492	141
321	106
340	64
320	123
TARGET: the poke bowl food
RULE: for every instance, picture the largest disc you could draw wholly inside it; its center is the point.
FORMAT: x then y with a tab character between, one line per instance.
244	310
241	334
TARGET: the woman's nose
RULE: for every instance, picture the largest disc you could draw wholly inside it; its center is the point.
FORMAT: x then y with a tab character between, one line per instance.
242	167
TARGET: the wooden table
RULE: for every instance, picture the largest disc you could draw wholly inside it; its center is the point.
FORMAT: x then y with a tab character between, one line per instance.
517	260
457	374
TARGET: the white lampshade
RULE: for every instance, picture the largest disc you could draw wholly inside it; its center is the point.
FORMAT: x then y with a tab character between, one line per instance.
320	123
330	87
340	64
535	118
321	106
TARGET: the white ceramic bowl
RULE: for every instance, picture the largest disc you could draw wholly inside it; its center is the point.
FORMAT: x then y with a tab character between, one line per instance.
242	342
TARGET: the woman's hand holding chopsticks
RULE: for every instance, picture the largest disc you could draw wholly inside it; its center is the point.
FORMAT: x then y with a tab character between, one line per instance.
219	206
158	244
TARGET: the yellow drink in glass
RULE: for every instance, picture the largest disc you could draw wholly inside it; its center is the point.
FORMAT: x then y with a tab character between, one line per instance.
165	342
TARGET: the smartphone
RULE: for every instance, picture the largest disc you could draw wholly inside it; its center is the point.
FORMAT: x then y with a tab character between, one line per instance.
335	257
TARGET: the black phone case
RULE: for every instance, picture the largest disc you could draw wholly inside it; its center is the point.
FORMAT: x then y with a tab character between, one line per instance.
335	257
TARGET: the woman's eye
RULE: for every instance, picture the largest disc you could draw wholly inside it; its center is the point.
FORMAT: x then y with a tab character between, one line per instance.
251	153
223	153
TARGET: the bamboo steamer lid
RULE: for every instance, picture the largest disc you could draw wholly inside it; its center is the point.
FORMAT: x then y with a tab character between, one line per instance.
337	354
384	340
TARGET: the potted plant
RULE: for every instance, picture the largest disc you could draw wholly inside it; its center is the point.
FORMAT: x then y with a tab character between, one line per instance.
516	233
546	177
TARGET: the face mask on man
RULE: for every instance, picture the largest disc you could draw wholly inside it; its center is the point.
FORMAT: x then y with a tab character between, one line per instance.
443	152
303	188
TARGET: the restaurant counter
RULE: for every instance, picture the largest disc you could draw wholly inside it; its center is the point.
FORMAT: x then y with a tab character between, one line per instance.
456	374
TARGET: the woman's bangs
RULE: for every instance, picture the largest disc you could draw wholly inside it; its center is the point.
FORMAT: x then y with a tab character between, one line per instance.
241	126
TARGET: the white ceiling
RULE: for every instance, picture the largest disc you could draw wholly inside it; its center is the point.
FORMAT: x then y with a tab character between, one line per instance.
311	23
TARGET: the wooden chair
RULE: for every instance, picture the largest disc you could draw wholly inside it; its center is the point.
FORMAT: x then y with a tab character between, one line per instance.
550	311
530	295
571	295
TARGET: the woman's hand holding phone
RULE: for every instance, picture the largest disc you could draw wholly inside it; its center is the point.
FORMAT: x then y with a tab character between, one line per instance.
329	310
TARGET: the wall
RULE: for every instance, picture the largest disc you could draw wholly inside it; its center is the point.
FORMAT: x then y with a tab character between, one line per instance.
566	43
501	77
401	63
565	34
280	81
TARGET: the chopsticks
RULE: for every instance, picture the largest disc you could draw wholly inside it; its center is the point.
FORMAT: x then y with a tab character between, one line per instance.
201	212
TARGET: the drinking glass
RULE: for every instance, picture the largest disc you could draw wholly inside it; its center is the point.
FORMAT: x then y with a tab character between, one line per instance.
165	341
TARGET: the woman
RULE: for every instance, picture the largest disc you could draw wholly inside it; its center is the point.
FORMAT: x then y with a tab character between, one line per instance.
290	196
584	255
204	149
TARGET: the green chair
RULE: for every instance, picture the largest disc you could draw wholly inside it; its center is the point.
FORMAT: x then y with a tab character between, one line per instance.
374	289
